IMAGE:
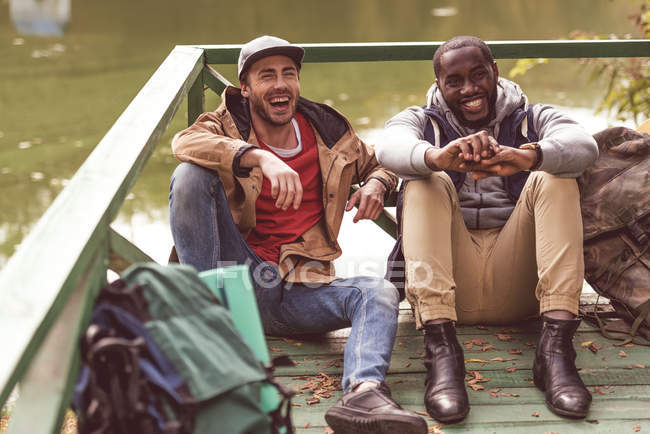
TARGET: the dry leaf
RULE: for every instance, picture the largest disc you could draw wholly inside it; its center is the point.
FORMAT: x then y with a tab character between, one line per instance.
585	344
329	430
535	414
594	348
407	365
481	327
501	359
514	395
422	413
636	428
476	361
640	366
511	369
513	351
436	429
511	330
622	354
295	404
311	401
628	345
503	337
306	425
529	344
275	349
488	347
468	346
476	387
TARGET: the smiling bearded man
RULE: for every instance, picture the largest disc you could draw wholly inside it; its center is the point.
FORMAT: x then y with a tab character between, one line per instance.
491	230
264	181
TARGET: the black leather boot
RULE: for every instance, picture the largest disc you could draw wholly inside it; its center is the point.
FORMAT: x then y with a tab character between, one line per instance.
554	369
445	396
372	411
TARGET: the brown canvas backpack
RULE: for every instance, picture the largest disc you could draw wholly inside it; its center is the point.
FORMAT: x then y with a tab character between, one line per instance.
615	202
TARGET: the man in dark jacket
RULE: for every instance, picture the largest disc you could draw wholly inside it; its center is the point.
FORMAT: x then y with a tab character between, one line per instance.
491	224
264	181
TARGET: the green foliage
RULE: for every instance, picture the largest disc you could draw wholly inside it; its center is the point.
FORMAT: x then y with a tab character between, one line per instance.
627	81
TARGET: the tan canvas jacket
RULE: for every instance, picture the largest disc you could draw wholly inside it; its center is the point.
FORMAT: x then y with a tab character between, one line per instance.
218	139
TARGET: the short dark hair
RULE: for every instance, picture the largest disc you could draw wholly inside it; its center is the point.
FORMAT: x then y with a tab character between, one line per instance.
461	42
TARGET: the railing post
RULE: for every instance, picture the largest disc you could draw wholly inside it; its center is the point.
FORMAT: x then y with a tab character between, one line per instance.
195	100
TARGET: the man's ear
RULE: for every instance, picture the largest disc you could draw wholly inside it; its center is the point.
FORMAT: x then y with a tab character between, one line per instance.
495	69
244	89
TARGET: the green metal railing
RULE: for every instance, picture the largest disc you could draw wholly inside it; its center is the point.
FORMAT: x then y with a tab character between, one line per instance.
49	285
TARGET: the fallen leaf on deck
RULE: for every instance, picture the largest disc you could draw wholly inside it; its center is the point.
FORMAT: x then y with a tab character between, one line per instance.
422	413
514	395
529	344
535	414
289	341
398	381
481	327
295	404
275	349
604	359
597	390
476	361
329	430
436	429
511	369
476	387
514	351
488	347
407	365
636	428
501	359
503	337
640	366
306	425
585	344
628	345
311	401
622	354
511	330
594	348
401	344
468	346
478	342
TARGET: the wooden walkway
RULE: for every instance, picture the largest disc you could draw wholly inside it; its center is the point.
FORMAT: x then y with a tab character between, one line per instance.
499	363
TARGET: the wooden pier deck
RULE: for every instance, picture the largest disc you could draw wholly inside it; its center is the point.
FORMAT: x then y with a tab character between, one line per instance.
503	400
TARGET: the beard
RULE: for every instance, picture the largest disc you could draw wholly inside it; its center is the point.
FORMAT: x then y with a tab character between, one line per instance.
478	123
258	106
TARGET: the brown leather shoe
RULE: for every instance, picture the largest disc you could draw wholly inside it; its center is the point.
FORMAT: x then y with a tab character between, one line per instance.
554	369
445	396
372	411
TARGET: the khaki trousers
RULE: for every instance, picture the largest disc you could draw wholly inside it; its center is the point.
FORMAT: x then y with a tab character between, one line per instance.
492	276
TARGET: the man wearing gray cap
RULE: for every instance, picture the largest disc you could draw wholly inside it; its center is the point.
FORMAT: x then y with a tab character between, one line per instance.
264	181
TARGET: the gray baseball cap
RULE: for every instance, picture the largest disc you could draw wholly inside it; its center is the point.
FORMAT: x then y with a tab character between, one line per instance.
265	46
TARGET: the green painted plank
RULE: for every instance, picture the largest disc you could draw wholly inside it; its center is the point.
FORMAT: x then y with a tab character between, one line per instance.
46	386
215	81
123	253
393	51
559	426
59	243
195	100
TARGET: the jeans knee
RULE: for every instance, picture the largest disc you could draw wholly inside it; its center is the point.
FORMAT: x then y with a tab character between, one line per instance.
190	180
377	291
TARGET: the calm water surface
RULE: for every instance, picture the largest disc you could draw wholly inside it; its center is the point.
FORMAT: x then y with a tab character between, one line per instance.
60	94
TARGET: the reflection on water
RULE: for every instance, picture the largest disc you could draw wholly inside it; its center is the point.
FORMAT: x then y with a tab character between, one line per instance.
40	17
59	95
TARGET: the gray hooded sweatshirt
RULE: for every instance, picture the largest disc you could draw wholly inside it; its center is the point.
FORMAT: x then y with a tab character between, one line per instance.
566	147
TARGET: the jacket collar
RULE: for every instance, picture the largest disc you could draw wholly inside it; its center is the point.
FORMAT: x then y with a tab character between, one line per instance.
329	123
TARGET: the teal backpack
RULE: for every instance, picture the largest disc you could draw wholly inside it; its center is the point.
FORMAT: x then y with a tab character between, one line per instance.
162	355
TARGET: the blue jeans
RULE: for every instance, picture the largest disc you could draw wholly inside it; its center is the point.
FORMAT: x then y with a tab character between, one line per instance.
206	237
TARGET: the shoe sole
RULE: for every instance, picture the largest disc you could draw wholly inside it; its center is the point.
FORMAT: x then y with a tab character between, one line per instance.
450	419
343	423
